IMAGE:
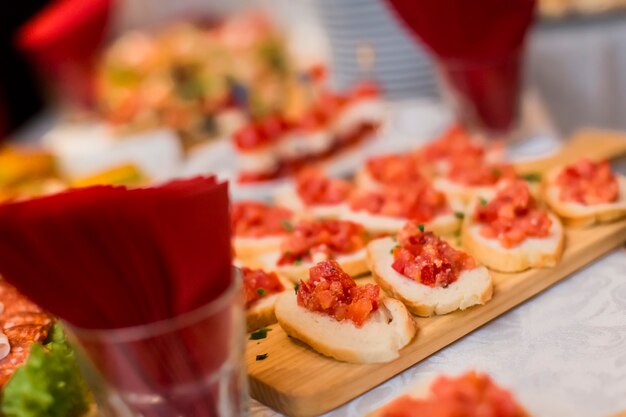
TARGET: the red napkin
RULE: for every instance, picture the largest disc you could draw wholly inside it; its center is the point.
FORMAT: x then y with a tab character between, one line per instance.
473	30
108	257
479	45
63	40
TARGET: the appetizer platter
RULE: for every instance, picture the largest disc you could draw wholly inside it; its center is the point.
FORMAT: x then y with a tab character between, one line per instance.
342	331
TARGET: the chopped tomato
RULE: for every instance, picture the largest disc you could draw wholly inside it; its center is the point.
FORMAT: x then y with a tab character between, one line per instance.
326	237
475	171
261	133
331	291
420	202
313	120
365	90
468	395
250	137
588	183
512	216
258	284
314	187
395	170
453	142
254	219
427	259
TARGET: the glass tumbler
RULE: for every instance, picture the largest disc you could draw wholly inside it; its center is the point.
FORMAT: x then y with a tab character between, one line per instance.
187	366
484	94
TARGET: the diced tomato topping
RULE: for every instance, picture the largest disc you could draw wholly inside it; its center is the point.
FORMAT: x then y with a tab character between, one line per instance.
313	120
314	187
468	395
454	142
475	171
254	219
327	237
365	89
395	170
258	284
331	291
257	134
427	259
420	202
512	216
588	182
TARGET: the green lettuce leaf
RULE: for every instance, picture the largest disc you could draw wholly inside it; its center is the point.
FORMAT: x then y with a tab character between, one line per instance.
48	384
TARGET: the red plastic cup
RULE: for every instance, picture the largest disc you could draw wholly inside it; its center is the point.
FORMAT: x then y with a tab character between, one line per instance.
190	365
484	94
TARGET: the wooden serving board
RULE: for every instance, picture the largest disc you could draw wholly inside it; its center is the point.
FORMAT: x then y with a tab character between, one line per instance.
299	382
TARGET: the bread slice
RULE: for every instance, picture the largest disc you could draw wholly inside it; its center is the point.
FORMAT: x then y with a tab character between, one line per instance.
444	224
354	264
459	191
471	288
576	214
261	312
248	247
531	253
287	197
422	390
379	339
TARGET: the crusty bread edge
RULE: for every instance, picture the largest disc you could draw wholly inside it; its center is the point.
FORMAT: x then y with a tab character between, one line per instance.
345	355
503	261
573	219
419	309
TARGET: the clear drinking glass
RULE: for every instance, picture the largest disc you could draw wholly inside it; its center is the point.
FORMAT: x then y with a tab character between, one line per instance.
187	366
484	94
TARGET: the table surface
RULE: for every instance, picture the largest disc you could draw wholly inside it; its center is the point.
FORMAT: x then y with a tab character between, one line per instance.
563	352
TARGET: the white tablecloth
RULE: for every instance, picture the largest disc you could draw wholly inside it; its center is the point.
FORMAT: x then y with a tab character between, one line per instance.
563	352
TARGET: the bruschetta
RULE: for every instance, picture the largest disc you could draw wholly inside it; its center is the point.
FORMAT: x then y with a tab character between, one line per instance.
343	320
257	227
508	231
316	195
470	394
386	211
391	171
586	192
427	274
313	241
261	290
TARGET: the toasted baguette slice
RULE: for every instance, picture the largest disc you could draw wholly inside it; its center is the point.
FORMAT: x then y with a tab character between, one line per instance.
459	191
531	253
379	339
247	247
353	264
471	288
288	198
445	224
576	214
261	313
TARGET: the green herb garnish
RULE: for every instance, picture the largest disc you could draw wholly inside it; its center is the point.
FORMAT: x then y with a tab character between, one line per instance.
297	287
298	261
261	357
287	225
483	201
496	172
393	249
421	227
532	177
260	291
260	334
459	215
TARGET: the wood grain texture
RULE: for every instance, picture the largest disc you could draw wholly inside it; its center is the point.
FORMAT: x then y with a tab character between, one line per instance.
299	382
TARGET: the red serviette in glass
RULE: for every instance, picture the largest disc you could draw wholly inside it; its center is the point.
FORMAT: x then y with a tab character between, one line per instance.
156	252
63	41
